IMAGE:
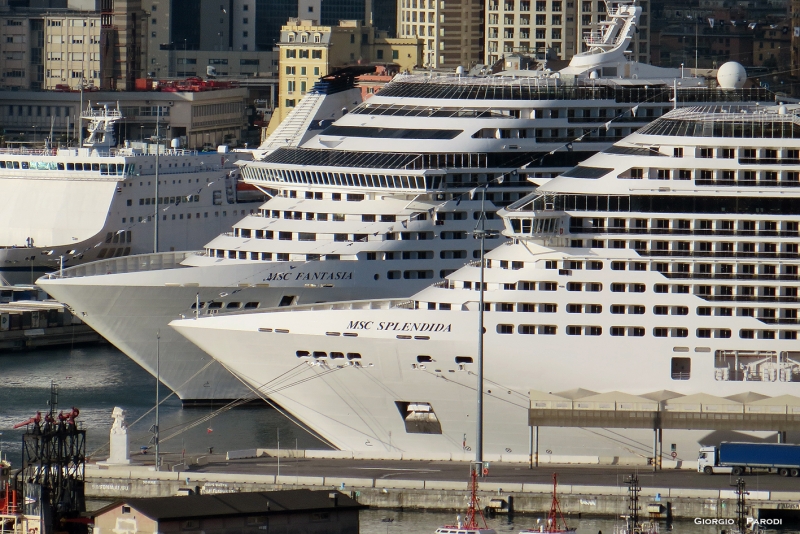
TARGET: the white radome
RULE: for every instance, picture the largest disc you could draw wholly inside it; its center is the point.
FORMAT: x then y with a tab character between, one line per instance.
731	75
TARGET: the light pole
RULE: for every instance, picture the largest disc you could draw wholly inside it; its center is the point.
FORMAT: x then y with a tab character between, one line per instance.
158	149
481	233
156	436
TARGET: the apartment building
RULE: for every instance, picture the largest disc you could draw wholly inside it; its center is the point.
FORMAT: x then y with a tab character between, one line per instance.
309	51
554	28
40	52
452	31
58	48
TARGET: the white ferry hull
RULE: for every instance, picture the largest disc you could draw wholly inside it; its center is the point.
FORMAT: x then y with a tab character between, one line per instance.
74	217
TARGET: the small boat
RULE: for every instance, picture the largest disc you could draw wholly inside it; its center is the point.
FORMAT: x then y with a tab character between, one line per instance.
470	524
552	525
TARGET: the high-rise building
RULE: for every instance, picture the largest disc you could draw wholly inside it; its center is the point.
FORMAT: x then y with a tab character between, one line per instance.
122	43
451	30
202	37
553	27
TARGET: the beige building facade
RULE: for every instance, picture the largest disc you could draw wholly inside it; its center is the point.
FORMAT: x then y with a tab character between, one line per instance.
309	51
49	50
58	49
553	27
452	31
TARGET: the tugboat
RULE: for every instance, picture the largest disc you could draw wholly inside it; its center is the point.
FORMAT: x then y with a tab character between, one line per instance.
470	524
552	525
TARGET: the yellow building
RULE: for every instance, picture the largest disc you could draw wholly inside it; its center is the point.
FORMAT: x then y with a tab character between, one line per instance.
309	51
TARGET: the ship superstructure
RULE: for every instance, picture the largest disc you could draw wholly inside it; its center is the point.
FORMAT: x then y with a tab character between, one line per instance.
382	201
664	267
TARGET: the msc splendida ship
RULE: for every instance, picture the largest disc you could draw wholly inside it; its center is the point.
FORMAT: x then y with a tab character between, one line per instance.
382	202
666	265
68	206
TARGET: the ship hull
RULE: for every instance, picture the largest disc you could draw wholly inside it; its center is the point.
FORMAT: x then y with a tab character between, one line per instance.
358	404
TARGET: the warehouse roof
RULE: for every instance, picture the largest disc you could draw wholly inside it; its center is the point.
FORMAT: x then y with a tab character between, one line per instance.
237	504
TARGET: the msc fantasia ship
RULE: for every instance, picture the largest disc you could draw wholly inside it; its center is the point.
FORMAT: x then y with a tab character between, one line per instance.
382	202
80	204
666	265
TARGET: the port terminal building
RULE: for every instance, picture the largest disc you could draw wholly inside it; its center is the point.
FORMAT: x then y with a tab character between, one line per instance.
199	119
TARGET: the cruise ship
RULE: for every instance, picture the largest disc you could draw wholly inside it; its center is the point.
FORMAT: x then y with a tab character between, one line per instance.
664	267
381	203
68	206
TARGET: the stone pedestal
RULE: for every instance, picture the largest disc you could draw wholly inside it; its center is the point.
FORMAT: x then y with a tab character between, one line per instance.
120	446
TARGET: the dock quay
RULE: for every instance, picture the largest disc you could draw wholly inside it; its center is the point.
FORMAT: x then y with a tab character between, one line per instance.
32	324
584	490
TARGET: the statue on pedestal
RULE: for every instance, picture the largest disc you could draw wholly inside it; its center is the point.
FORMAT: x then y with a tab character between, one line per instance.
120	447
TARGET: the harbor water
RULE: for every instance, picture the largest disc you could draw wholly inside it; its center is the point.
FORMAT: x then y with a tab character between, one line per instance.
413	522
95	379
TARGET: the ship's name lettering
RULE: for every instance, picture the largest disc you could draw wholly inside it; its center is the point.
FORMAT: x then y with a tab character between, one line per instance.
323	276
400	327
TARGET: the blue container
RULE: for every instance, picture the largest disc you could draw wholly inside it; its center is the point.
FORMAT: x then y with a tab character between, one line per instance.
759	454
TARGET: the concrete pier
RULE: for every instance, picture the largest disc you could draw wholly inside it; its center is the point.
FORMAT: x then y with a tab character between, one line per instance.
26	325
421	485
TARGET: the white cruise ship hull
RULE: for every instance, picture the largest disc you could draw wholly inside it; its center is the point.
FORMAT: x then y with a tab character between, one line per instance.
358	404
130	308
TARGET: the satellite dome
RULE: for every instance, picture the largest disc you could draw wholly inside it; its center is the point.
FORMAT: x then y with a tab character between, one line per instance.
731	75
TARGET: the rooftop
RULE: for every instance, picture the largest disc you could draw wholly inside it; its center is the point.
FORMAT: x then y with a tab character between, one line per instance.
237	504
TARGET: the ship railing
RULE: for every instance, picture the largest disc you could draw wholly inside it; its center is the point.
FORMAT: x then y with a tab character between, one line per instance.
593	38
112	152
378	304
102	114
126	264
536	79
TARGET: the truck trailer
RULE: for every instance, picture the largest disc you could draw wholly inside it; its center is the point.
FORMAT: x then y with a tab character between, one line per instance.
737	458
